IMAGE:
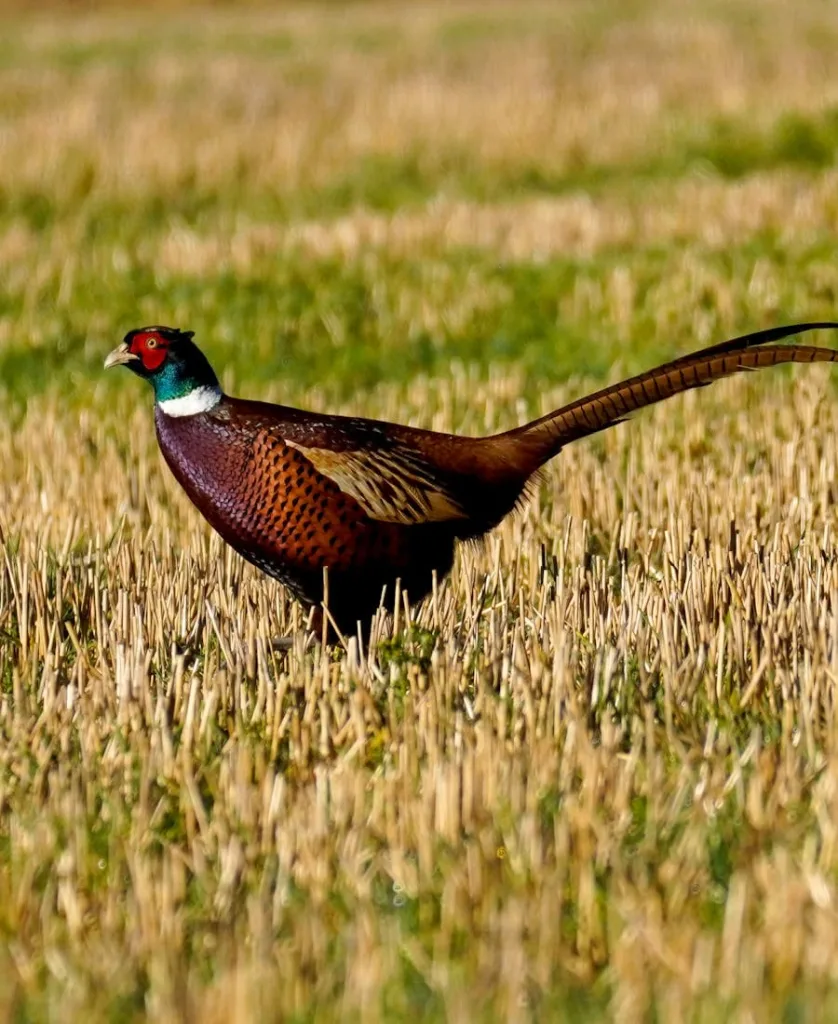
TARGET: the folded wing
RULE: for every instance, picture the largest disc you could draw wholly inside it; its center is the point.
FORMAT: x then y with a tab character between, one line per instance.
392	485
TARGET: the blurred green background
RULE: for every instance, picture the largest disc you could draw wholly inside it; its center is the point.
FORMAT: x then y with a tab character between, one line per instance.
339	196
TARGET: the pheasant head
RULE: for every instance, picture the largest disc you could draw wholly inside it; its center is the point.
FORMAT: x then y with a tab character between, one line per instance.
184	382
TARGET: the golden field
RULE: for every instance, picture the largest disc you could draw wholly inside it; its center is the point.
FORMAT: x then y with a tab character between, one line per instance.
596	777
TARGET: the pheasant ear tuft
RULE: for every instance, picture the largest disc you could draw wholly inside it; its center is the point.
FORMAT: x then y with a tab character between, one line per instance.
189	335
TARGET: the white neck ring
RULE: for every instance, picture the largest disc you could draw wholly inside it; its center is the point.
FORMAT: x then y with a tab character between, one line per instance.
200	399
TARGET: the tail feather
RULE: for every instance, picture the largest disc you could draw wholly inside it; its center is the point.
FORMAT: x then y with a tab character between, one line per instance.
545	436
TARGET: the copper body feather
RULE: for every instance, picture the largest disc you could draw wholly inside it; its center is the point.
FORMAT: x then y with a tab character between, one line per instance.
276	508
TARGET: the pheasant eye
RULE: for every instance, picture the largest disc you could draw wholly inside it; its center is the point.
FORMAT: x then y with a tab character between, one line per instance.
153	352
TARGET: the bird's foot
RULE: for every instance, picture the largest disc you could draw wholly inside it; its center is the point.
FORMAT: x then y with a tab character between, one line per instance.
318	629
285	643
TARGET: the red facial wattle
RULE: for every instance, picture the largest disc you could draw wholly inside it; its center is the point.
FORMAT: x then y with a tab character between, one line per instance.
151	349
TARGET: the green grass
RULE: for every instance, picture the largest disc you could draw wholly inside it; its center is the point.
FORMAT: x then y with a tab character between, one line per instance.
351	325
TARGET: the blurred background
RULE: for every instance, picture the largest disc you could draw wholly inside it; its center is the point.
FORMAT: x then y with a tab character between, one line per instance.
341	194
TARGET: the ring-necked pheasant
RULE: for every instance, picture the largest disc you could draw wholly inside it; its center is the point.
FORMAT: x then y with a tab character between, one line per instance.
294	491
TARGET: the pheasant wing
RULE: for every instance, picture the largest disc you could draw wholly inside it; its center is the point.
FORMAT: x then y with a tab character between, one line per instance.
391	484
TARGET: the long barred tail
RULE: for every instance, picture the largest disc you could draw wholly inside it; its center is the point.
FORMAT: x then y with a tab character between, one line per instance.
548	434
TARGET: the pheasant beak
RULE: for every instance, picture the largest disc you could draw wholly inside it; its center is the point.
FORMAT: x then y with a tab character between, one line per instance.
121	354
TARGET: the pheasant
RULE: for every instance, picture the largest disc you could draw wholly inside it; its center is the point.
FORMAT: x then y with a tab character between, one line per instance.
298	492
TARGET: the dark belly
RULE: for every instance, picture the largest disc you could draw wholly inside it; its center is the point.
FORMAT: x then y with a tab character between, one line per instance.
356	591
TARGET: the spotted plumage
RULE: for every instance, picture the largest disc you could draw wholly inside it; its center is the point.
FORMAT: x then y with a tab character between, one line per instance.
296	492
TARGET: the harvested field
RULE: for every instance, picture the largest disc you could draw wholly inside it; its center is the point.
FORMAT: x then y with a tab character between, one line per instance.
596	776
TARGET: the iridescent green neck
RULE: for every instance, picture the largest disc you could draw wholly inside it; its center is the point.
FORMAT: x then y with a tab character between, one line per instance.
176	380
186	386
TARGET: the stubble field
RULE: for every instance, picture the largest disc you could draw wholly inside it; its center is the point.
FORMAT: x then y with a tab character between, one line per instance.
597	776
